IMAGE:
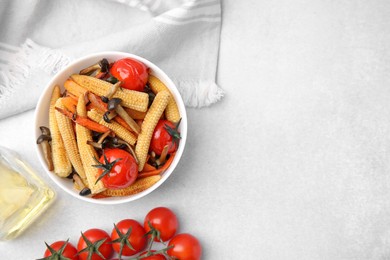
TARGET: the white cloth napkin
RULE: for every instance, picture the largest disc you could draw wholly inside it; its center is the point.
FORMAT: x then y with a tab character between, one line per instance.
40	37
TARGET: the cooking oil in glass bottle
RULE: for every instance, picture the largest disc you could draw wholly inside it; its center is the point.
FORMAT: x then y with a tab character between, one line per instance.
23	195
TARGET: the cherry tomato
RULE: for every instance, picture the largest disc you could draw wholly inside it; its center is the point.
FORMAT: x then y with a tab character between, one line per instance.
185	247
165	133
62	249
117	169
153	257
132	73
99	241
136	237
162	220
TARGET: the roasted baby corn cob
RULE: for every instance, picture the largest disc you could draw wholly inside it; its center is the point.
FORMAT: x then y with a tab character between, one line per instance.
172	111
138	186
62	165
87	152
74	88
132	99
119	130
151	119
68	136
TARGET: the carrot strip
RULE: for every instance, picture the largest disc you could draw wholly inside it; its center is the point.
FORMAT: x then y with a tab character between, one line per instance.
91	125
101	75
148	167
150	173
139	122
68	94
97	102
168	162
69	104
163	156
99	196
135	114
65	112
123	123
90	106
158	171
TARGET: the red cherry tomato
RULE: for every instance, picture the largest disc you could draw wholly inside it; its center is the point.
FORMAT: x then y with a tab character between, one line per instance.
153	257
68	251
102	248
185	247
164	221
119	171
165	133
132	73
136	237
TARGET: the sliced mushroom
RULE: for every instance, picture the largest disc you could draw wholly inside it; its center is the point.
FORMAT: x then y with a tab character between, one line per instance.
45	130
101	66
109	115
90	69
111	79
103	137
130	121
104	65
150	93
113	103
113	142
95	144
130	148
104	99
78	182
163	157
152	159
85	192
111	91
43	140
100	144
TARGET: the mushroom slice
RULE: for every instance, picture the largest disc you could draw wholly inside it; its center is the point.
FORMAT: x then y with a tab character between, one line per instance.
115	104
101	66
108	115
95	144
43	140
111	91
117	141
163	157
79	184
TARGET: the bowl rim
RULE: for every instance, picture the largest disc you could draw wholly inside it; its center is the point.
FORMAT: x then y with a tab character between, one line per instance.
74	66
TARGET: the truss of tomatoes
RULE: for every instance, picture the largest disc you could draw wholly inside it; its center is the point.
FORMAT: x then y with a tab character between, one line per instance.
130	239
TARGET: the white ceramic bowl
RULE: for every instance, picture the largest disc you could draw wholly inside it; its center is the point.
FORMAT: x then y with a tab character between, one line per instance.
42	119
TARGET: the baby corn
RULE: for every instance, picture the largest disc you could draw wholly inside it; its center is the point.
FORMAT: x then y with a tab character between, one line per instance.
87	152
74	88
137	187
172	111
132	99
68	136
119	130
62	165
151	119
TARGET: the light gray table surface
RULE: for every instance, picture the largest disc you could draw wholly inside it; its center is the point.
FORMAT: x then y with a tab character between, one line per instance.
293	163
